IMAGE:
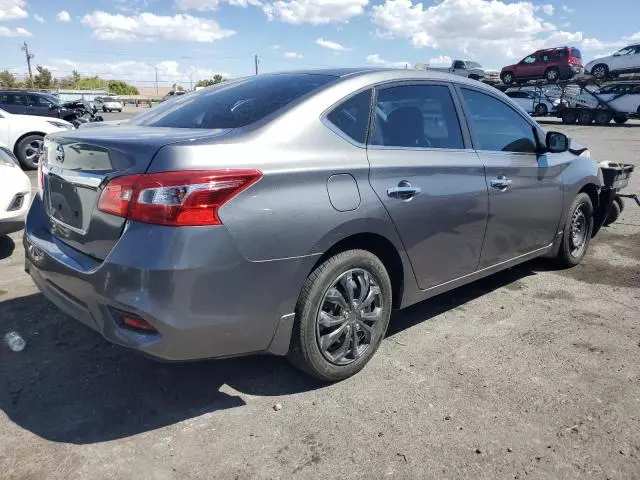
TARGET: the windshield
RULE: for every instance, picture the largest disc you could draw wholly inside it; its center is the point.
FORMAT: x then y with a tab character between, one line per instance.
233	104
52	98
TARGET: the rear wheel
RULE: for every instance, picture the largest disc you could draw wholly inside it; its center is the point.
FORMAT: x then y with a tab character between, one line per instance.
541	110
552	75
603	117
576	235
104	109
600	71
585	117
620	119
508	78
28	151
341	316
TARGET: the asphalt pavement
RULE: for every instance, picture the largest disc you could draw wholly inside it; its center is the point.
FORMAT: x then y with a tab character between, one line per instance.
531	373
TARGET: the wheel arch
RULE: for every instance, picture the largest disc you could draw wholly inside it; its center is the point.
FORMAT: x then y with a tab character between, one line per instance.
22	137
382	248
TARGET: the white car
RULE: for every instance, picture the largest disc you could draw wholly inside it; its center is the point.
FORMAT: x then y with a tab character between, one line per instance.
533	102
626	60
15	193
108	104
24	135
623	97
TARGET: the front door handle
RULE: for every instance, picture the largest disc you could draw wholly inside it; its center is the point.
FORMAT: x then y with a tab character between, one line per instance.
404	191
501	183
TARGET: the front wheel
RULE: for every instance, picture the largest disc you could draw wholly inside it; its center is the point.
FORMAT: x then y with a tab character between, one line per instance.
28	151
600	71
541	110
342	315
508	78
552	75
576	234
620	119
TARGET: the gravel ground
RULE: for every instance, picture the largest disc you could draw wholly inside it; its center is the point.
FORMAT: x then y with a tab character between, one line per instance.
530	373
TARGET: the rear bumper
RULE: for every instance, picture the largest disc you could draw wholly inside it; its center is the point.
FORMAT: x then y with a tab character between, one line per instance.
204	299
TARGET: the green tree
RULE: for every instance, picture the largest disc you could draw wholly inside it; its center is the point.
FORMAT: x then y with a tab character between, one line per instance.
118	87
89	83
8	79
43	78
75	76
217	78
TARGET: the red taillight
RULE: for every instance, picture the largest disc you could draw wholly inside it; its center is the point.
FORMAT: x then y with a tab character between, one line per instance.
186	198
137	323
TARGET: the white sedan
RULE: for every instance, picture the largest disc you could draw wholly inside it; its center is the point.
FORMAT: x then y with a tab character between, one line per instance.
108	104
15	193
533	102
24	135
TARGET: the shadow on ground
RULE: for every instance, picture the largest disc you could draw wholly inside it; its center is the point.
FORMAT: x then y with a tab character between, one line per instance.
70	385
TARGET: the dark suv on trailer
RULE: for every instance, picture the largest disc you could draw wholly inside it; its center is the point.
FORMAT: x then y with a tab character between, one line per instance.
41	104
551	64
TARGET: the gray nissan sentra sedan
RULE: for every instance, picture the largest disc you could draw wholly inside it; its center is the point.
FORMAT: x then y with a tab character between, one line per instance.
290	213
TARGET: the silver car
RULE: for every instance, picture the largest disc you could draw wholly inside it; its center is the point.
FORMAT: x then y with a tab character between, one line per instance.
291	213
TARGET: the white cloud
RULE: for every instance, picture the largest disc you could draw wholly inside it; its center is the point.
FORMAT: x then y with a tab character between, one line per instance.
13	9
137	73
276	47
63	16
18	32
149	27
441	60
548	9
203	5
567	9
331	45
38	18
316	12
375	59
633	38
292	55
474	27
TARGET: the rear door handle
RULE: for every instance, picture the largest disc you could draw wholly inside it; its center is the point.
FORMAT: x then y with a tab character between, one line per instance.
501	183
404	191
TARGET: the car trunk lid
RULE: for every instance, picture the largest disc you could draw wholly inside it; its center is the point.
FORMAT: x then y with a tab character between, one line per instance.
78	166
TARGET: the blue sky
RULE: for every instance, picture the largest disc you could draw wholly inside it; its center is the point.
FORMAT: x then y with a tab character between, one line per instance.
186	40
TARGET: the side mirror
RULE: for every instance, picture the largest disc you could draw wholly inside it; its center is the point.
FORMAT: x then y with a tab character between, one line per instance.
557	142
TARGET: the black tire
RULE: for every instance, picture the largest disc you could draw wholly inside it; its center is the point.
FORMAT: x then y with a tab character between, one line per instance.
508	78
620	203
585	117
572	250
541	110
569	117
474	77
603	117
552	75
305	351
600	71
613	214
104	109
25	151
620	119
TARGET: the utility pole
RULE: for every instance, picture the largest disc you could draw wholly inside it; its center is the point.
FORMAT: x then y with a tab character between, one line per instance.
25	49
156	80
256	61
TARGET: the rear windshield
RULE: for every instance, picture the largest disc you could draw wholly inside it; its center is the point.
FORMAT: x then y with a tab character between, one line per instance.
233	104
576	53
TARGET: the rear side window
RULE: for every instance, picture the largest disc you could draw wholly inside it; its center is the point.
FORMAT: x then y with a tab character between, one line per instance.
576	53
233	104
16	99
496	126
352	116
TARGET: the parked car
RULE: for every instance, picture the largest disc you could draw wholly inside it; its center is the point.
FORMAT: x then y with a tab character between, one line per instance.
40	104
15	192
172	94
626	60
108	104
24	135
274	215
464	68
551	64
612	102
534	103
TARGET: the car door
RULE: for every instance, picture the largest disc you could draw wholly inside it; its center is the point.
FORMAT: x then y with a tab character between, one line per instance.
429	179
16	103
40	106
529	67
525	189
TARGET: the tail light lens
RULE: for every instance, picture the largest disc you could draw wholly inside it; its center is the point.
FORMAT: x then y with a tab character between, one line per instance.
186	198
40	177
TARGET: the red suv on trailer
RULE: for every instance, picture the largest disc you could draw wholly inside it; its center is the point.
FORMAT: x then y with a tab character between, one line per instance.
552	64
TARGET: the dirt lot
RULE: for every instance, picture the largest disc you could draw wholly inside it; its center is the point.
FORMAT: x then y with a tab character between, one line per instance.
532	373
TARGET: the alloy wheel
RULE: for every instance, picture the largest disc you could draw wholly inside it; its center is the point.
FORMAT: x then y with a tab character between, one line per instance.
33	150
349	320
579	231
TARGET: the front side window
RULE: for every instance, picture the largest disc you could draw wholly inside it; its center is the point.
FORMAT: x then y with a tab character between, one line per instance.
352	116
422	116
233	104
36	101
496	126
530	59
